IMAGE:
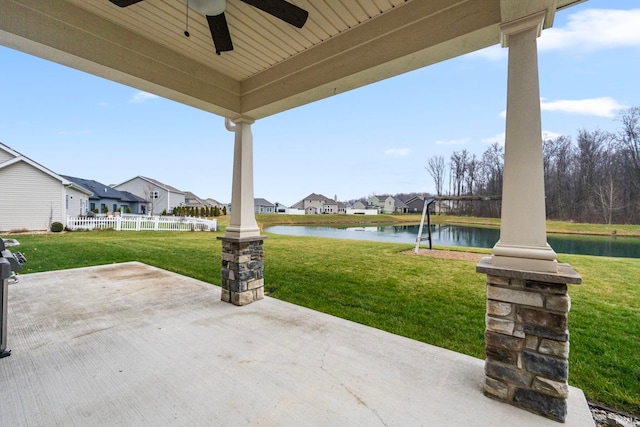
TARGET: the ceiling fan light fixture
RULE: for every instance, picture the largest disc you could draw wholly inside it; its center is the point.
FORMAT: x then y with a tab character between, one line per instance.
208	7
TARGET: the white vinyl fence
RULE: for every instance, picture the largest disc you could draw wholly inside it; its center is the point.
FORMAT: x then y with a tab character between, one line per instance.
142	223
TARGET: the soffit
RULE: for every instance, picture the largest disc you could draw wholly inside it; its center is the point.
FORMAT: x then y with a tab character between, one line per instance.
274	66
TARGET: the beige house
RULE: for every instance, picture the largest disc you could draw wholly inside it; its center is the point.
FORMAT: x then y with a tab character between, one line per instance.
388	204
317	204
33	196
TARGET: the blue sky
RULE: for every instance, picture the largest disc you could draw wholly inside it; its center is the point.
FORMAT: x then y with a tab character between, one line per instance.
371	140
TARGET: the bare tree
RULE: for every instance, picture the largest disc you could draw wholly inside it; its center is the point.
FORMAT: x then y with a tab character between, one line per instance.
437	168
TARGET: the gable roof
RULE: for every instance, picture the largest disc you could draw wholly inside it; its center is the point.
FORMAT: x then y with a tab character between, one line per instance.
193	200
315	196
132	198
262	202
21	158
154	182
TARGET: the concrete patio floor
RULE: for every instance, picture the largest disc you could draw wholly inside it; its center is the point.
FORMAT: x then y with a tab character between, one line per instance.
133	345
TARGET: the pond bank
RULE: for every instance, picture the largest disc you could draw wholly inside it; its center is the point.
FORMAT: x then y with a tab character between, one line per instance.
554	227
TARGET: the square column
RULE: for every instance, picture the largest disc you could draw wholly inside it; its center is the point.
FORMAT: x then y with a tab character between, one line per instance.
527	335
243	221
523	239
242	245
527	338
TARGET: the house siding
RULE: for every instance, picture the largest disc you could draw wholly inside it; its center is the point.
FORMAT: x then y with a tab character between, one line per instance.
77	202
30	199
166	200
138	187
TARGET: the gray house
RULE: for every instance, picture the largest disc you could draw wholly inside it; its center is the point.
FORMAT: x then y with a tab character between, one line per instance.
33	197
263	206
106	199
160	197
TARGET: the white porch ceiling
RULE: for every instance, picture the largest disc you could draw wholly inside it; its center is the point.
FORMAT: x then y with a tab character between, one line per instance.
274	66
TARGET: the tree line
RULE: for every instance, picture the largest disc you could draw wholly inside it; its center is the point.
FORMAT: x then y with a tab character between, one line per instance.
595	178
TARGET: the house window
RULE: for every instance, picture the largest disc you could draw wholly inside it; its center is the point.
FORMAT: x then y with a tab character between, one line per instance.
92	206
153	195
115	207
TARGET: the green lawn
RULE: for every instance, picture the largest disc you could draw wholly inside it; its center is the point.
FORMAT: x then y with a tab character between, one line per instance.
441	302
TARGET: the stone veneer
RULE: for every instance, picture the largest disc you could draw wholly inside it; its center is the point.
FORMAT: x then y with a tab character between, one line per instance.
527	338
242	267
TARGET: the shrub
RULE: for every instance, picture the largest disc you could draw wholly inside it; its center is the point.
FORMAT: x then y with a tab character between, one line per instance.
57	227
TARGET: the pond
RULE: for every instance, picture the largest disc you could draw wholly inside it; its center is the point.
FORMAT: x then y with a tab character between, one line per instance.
456	235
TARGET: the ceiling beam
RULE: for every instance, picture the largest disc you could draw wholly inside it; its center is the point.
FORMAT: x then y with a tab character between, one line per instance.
411	36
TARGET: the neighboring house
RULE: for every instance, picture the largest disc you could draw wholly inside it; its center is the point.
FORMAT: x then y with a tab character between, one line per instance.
106	199
32	196
213	203
359	205
193	201
415	204
317	204
388	204
159	196
263	206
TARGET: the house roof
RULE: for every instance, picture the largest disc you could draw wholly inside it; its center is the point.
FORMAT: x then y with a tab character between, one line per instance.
18	157
213	202
99	190
274	66
154	182
132	198
262	202
193	200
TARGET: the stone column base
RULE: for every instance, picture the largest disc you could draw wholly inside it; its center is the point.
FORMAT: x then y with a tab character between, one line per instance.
242	267
527	338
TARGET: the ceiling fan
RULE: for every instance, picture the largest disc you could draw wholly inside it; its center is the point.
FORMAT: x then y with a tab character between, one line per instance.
214	11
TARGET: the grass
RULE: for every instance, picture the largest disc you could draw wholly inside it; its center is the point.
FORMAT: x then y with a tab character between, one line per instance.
441	302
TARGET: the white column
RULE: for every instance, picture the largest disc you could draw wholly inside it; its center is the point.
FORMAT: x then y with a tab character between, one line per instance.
243	221
523	238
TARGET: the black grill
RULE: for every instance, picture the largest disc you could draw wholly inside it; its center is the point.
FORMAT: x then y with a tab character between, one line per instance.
10	264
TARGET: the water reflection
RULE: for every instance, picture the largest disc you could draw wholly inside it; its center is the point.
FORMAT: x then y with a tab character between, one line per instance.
456	235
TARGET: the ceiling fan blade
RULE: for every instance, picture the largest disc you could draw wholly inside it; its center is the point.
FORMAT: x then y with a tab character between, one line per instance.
282	9
220	33
124	3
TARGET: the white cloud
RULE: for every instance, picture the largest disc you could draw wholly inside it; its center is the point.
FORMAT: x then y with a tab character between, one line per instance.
601	107
453	142
499	138
140	97
398	152
586	31
595	29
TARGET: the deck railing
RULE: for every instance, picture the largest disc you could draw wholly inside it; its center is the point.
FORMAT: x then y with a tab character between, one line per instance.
142	223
